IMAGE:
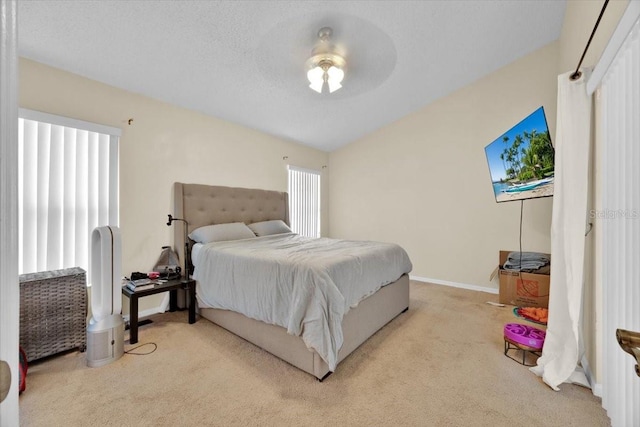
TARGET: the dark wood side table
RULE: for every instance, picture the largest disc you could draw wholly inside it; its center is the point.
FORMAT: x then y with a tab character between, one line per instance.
172	286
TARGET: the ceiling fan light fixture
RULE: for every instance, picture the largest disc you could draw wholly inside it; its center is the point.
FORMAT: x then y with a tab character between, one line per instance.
333	86
334	79
316	78
325	66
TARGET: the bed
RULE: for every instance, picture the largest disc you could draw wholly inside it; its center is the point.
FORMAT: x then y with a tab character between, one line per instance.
202	205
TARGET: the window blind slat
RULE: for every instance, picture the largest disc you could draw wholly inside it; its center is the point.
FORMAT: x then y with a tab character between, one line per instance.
304	201
70	217
114	174
103	179
82	190
42	191
93	171
55	188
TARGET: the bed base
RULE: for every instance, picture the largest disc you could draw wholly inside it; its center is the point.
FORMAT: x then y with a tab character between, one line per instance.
209	204
357	326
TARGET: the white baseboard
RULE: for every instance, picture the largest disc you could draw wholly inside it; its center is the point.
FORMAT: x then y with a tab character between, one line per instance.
144	313
596	388
454	284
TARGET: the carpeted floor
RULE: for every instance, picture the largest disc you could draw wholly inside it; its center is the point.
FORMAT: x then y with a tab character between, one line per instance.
439	364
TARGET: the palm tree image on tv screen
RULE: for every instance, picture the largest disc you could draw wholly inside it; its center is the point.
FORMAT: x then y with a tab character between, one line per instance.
521	161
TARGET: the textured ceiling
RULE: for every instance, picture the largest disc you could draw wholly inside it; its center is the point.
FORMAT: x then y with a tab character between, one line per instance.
243	61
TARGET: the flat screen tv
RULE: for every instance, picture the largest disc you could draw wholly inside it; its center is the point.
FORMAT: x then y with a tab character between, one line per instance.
521	161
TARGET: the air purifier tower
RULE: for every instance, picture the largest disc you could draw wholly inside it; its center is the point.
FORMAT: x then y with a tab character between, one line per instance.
105	333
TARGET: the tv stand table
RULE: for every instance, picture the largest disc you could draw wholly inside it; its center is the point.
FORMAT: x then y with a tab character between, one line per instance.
170	286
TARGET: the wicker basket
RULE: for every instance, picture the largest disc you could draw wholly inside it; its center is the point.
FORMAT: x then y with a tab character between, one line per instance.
53	312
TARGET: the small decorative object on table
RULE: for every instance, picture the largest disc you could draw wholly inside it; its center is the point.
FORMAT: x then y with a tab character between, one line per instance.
167	266
141	284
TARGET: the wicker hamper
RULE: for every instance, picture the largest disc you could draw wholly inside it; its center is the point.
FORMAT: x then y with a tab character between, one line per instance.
53	312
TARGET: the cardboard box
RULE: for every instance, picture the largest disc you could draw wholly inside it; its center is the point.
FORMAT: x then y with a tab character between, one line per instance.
523	289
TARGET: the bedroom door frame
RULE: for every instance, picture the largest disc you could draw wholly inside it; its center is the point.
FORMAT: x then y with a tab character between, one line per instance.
9	287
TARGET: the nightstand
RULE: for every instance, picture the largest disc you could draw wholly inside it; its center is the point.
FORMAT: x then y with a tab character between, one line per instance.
172	287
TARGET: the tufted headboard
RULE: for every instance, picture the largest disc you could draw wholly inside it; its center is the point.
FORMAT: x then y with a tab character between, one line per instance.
211	204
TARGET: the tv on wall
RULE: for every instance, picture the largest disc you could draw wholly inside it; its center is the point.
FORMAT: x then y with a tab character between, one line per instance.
521	161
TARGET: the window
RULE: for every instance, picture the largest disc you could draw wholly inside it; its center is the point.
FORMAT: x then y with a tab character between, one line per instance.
620	245
67	186
304	201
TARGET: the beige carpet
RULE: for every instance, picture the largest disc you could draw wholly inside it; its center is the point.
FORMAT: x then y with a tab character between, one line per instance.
441	364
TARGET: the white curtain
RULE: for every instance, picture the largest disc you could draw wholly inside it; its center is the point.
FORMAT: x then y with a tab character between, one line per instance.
67	186
620	104
563	344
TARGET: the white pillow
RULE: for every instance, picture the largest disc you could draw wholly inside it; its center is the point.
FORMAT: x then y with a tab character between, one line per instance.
221	232
267	228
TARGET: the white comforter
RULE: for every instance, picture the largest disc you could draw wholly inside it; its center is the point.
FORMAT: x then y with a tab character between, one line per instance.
302	284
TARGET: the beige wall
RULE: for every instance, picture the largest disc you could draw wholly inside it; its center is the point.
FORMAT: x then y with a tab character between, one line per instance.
579	19
164	144
423	182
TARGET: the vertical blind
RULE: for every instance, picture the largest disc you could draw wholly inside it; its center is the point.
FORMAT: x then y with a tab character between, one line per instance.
620	98
67	186
304	201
